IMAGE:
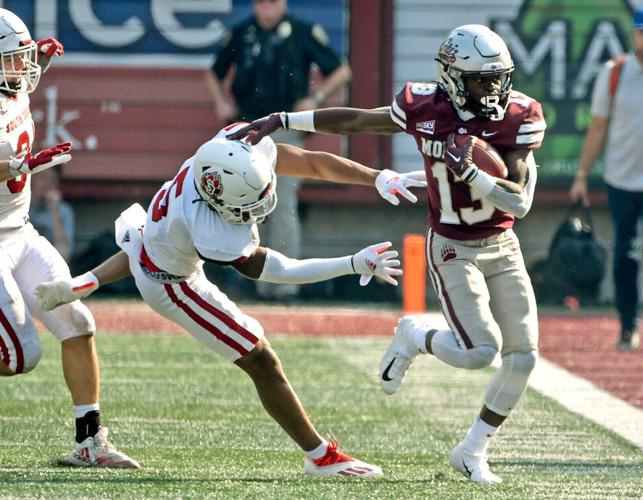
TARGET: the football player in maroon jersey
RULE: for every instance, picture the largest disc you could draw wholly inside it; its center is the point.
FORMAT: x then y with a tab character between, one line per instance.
473	255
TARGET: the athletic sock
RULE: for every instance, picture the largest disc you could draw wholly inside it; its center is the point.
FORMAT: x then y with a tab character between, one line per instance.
87	421
479	436
419	339
318	452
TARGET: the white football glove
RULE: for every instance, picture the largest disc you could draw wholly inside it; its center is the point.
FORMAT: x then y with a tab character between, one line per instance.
377	261
52	294
389	184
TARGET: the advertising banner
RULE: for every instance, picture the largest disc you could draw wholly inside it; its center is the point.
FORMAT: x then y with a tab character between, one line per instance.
558	46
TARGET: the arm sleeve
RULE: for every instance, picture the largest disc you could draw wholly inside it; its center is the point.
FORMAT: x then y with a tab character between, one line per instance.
321	52
517	204
281	269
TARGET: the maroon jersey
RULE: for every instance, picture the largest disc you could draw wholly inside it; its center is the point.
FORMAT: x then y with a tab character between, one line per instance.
425	112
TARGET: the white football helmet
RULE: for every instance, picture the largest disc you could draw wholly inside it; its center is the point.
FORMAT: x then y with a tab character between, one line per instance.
19	69
236	179
475	50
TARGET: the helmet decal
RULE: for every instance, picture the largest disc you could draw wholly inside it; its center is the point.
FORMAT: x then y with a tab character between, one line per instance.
448	50
211	183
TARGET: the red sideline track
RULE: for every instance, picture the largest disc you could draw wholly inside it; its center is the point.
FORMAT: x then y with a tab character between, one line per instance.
582	344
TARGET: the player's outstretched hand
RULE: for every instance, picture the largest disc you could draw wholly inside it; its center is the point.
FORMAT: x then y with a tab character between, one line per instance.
377	260
52	294
33	163
389	184
258	129
49	47
460	159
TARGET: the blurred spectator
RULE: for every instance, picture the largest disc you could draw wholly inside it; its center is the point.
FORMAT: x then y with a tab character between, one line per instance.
617	120
272	53
52	216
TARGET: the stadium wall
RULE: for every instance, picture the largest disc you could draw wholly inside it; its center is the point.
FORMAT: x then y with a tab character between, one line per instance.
130	94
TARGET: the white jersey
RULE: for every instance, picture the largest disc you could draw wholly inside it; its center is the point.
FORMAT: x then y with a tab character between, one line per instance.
16	137
181	230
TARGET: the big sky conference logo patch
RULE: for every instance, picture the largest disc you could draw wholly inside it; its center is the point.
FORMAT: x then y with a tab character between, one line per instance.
558	46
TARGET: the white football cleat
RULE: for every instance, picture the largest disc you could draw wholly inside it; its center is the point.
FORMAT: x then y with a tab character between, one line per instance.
473	466
336	463
400	353
97	451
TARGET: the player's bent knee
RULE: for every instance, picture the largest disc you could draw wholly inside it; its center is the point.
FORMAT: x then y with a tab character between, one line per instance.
480	357
510	381
523	362
72	320
262	364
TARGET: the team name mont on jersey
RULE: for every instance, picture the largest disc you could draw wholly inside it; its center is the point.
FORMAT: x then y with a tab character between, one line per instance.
434	149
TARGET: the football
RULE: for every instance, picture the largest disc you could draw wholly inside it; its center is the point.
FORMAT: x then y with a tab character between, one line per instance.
485	156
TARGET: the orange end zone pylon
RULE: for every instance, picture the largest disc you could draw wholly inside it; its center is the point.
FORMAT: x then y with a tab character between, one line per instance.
414	278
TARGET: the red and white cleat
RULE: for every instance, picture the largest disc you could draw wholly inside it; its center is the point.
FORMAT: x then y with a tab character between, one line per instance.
97	451
336	463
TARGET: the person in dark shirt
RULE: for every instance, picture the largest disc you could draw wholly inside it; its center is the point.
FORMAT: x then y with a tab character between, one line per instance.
272	54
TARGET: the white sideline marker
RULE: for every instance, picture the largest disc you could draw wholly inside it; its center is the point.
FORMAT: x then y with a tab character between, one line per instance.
580	396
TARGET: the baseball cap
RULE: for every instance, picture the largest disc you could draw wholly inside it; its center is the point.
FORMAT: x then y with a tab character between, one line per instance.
638	19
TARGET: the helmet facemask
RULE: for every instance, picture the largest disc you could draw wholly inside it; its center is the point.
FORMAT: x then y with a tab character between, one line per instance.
474	51
19	69
251	213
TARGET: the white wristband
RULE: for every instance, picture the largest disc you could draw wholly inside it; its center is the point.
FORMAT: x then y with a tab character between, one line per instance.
483	183
85	283
302	120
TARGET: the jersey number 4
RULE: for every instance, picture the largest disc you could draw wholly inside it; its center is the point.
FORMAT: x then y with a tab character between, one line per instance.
468	215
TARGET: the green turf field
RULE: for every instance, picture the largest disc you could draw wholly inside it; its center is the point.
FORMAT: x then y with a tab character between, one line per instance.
195	424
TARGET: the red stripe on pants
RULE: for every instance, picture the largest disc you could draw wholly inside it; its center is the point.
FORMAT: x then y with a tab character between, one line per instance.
229	322
204	323
20	358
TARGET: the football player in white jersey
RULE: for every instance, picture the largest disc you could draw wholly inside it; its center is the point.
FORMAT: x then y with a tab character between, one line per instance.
209	212
26	258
